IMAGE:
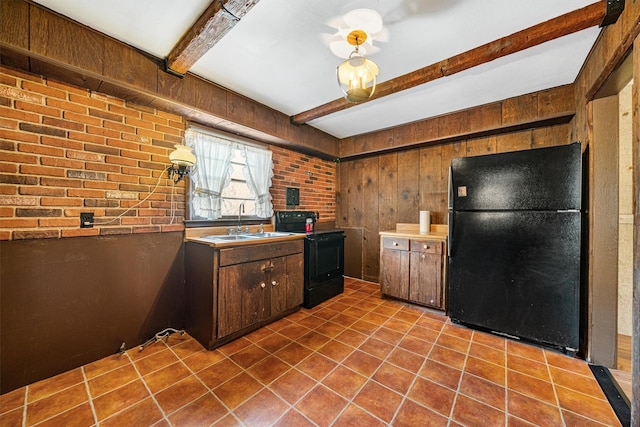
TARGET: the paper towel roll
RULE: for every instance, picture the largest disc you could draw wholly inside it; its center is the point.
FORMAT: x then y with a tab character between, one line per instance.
425	222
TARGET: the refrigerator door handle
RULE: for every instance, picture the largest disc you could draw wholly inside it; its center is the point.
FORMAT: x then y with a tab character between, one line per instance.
450	234
450	201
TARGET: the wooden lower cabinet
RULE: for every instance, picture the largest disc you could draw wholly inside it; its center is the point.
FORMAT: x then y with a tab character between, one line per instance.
394	268
413	270
253	292
242	301
248	287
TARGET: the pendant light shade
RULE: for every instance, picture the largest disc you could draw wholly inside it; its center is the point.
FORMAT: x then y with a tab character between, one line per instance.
357	75
182	156
181	159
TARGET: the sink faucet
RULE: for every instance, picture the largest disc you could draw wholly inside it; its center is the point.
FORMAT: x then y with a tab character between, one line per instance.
240	212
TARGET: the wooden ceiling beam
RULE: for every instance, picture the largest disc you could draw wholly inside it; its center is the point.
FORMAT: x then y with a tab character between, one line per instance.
216	21
563	25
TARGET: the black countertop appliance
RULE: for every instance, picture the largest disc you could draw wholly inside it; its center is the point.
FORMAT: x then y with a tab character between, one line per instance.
515	244
323	256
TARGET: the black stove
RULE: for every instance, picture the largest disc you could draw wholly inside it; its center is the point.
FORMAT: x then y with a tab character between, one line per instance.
323	256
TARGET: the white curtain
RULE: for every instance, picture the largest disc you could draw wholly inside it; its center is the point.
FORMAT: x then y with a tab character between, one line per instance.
211	174
258	172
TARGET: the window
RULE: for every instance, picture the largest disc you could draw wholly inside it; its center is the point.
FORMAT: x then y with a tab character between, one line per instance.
228	174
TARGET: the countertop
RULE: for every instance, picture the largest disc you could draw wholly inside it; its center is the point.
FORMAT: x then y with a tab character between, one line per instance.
412	231
199	235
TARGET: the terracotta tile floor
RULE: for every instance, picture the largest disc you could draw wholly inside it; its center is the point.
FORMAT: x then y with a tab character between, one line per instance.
357	360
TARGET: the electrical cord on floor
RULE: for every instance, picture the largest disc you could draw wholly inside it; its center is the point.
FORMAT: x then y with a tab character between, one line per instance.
160	335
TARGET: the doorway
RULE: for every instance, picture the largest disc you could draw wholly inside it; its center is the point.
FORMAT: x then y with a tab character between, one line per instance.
625	230
611	224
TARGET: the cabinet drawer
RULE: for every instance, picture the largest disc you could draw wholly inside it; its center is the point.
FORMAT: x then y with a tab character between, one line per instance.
395	243
254	252
430	246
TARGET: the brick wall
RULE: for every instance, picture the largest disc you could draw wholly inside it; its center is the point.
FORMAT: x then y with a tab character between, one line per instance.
66	150
316	179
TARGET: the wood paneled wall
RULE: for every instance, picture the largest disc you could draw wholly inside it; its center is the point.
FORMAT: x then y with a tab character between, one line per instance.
614	44
533	110
377	192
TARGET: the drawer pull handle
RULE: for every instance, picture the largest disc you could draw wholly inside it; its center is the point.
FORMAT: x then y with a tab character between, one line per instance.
274	283
395	243
425	247
263	285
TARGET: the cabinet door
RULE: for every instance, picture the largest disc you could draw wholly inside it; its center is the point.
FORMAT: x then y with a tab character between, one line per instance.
295	280
229	297
255	298
394	273
287	282
242	296
426	279
277	284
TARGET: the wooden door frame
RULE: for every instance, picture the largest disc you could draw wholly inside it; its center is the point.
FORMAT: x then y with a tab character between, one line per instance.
635	338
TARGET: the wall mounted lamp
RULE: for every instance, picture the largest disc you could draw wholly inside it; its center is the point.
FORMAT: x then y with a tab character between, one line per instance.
357	75
182	158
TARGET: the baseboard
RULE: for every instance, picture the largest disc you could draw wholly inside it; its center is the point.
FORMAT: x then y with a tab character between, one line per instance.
614	394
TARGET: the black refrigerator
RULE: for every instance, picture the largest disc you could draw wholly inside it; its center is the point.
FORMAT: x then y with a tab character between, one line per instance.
515	244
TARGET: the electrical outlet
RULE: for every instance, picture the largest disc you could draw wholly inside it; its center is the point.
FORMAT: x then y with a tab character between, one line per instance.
86	219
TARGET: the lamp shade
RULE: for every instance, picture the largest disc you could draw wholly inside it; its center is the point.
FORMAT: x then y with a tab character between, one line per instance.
357	77
182	156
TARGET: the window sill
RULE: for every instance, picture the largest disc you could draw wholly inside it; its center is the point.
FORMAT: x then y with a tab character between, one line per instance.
226	222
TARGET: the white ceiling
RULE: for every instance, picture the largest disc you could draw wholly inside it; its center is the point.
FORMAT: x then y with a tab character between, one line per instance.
279	55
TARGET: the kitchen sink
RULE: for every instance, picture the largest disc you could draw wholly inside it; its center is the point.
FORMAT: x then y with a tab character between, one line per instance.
269	234
232	238
251	236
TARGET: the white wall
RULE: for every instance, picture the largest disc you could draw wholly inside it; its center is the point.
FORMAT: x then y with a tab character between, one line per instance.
625	225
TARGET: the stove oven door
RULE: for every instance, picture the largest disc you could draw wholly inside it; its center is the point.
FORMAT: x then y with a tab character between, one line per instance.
325	257
323	267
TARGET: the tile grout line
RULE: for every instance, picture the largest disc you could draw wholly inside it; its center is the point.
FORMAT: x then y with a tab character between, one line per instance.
340	364
209	390
49	395
246	370
462	371
267	386
24	411
153	397
370	377
396	346
506	383
317	382
553	386
405	397
86	385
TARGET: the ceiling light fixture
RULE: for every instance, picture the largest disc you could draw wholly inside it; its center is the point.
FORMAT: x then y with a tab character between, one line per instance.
357	75
181	159
365	19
